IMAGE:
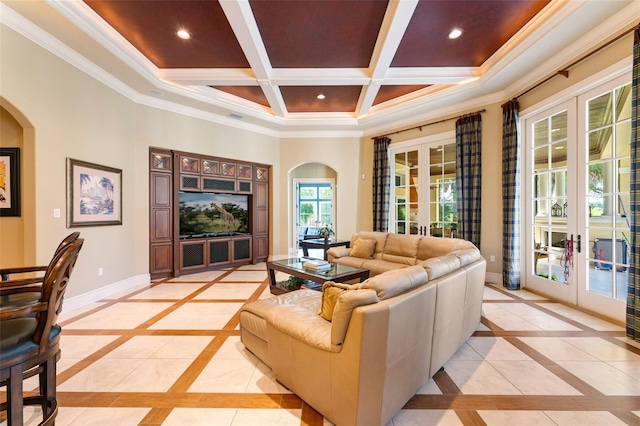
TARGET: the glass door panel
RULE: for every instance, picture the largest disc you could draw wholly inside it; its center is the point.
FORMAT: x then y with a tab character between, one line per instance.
423	197
608	132
550	203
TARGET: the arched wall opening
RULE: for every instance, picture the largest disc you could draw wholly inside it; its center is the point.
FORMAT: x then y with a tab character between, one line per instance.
307	172
18	233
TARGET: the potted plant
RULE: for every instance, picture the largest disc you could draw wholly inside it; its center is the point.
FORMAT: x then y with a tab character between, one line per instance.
325	232
292	283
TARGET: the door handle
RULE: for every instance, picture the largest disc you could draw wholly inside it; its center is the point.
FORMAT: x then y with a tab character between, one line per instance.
579	243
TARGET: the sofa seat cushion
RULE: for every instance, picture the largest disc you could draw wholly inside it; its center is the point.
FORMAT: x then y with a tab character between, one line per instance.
354	262
252	314
376	267
397	281
301	324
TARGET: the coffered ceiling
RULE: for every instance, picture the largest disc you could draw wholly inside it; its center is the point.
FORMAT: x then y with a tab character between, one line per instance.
319	64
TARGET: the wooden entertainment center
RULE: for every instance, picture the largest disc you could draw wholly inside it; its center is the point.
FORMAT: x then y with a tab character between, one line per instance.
172	173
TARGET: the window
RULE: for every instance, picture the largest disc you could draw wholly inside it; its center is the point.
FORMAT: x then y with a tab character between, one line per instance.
315	204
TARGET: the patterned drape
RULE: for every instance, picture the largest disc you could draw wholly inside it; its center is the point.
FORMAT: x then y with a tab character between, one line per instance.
381	182
468	176
510	196
633	295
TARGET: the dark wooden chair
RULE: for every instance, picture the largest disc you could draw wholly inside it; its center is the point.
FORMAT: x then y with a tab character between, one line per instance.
23	292
29	344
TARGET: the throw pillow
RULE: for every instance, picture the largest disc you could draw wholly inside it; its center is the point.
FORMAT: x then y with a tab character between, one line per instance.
330	293
363	248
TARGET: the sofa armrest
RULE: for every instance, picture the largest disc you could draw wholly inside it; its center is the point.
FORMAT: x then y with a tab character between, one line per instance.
302	324
338	252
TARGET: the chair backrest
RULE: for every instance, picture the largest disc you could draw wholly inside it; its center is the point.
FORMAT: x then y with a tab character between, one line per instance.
54	286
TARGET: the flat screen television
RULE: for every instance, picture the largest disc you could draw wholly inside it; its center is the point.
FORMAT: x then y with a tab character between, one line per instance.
205	214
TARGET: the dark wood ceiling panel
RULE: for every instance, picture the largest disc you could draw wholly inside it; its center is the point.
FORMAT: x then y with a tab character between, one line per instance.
388	92
151	27
486	26
337	98
251	93
319	34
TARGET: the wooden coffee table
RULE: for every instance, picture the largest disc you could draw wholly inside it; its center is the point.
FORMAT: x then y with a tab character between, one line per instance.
293	266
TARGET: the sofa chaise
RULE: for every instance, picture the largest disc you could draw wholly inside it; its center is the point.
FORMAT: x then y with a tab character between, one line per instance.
357	353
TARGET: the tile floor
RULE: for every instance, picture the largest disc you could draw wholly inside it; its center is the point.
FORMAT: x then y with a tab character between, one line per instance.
170	354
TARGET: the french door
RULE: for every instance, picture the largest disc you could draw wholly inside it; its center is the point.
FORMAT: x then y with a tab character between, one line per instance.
423	196
577	192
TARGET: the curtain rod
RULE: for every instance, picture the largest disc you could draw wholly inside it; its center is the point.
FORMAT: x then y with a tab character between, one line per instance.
565	71
429	124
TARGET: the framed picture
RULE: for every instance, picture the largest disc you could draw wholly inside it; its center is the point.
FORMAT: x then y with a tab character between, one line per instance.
94	194
9	181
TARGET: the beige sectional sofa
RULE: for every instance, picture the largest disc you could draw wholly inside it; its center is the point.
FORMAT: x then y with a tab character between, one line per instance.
394	251
357	353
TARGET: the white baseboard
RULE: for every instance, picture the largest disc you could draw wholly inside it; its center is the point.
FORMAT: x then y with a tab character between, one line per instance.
82	300
493	278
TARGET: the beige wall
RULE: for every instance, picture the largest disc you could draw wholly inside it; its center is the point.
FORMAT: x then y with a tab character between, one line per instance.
73	115
341	155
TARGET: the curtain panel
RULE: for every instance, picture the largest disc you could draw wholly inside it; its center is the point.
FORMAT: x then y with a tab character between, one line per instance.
381	181
511	238
468	176
633	289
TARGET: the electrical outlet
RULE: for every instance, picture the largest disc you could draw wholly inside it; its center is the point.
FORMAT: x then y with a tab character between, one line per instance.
100	272
492	258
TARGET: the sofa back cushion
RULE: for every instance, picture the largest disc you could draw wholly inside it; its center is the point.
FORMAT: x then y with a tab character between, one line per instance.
401	249
436	246
379	237
395	282
441	265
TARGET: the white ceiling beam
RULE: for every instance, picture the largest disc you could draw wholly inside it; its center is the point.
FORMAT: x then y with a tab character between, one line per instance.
430	75
209	76
320	76
243	23
394	25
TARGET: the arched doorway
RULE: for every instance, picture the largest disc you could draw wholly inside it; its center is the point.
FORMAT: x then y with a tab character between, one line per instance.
312	201
18	233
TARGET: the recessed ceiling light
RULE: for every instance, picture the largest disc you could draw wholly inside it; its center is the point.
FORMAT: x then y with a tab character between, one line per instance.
455	33
184	34
321	96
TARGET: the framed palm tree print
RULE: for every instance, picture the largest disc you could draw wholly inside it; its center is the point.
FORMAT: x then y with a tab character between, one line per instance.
94	194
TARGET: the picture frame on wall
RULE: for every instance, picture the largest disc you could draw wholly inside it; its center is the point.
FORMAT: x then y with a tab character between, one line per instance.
9	181
94	194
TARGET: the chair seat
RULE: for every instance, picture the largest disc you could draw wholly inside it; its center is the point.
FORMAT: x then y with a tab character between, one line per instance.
19	299
14	333
15	337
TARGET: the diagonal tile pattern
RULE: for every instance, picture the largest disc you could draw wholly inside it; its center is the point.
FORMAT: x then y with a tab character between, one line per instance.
170	354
